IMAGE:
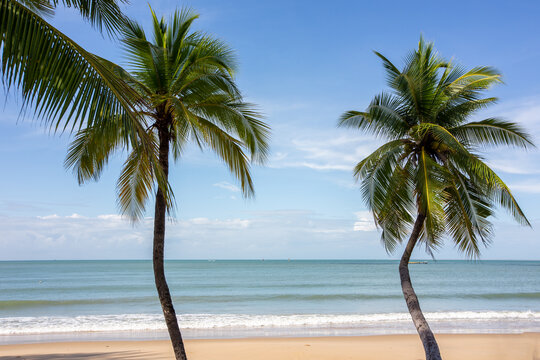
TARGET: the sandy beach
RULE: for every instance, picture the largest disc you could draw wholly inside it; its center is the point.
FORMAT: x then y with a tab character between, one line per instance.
405	347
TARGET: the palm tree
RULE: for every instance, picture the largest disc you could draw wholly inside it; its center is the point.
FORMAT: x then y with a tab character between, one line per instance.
428	177
63	83
185	81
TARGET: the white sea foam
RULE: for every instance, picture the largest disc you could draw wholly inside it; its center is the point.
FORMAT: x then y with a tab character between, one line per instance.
486	321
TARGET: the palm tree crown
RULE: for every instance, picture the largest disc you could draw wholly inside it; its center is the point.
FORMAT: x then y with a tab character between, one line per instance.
185	80
430	165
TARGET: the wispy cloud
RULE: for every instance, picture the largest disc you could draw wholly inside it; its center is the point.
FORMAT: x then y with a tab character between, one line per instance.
227	186
518	164
530	186
263	234
268	234
365	221
340	149
525	111
216	223
324	150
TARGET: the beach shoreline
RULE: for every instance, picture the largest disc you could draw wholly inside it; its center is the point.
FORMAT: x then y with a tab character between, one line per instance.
525	346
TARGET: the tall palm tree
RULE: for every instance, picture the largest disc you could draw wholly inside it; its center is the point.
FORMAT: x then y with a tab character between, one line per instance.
428	178
185	81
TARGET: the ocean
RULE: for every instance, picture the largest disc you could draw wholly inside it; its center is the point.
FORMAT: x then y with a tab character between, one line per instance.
99	300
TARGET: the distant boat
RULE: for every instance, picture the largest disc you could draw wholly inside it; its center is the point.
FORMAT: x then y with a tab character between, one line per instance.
418	262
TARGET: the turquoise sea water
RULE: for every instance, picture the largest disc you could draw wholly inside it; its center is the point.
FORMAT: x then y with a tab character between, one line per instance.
44	300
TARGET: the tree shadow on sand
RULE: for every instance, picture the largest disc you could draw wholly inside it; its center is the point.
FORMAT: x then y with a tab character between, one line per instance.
130	355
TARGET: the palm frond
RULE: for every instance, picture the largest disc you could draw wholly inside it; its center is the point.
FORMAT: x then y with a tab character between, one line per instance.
460	224
429	183
66	85
89	152
208	62
492	132
467	214
102	14
230	150
135	183
376	178
392	72
178	31
455	113
41	7
364	167
384	118
238	118
495	187
396	215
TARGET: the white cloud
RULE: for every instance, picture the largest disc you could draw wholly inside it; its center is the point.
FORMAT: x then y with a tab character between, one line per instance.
279	233
365	221
517	165
48	217
216	223
324	150
329	231
525	112
268	234
278	156
333	149
112	217
227	186
315	166
531	187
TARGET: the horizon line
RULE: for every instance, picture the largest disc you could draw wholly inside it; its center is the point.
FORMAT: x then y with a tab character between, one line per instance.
272	259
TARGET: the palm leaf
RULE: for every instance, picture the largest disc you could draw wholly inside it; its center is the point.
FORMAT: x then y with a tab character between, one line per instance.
396	215
63	82
230	150
383	117
89	152
492	132
135	183
102	14
495	187
429	183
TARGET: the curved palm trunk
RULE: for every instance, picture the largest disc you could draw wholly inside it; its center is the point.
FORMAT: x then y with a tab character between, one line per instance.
426	335
159	244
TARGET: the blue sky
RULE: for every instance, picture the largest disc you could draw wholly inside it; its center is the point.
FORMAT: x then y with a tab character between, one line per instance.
303	63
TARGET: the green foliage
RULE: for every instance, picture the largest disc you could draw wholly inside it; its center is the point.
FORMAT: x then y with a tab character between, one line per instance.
185	82
102	14
429	166
67	86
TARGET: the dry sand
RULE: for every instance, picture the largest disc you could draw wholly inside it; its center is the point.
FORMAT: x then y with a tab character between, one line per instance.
390	347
